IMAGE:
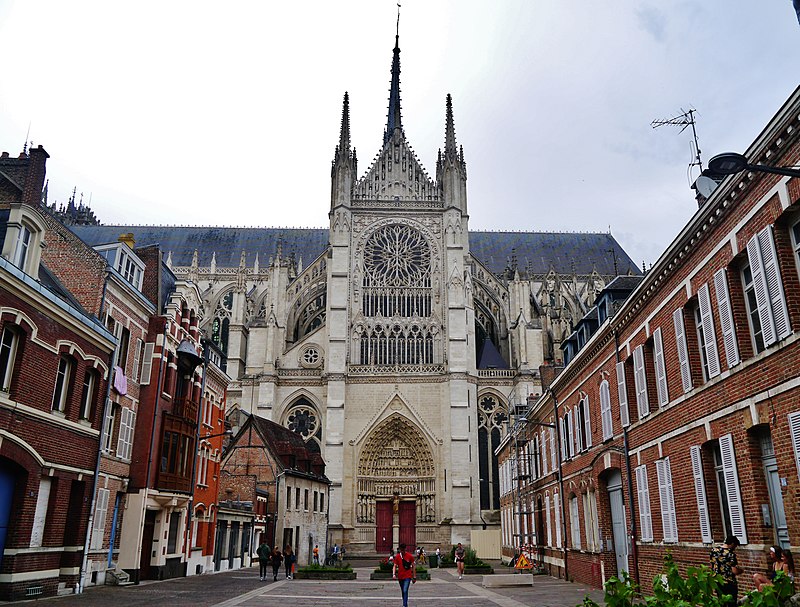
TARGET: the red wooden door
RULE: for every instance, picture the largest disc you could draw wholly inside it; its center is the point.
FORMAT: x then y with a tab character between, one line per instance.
408	524
383	532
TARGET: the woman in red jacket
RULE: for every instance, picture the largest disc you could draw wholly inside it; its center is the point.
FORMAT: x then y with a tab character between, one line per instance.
404	571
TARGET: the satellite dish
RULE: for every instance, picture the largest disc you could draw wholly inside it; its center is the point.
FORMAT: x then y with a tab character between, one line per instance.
705	185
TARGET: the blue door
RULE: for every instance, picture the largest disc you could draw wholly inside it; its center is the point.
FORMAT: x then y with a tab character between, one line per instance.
6	498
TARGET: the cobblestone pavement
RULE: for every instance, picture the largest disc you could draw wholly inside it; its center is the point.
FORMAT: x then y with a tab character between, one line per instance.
242	588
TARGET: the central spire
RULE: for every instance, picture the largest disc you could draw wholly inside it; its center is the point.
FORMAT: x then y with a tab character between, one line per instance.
393	119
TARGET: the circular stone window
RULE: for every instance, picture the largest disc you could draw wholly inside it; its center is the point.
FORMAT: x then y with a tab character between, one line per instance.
311	357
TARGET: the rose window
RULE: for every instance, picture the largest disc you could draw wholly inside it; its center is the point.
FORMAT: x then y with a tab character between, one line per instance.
397	256
303	420
310	357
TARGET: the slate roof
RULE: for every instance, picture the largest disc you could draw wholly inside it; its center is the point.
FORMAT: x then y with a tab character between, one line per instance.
286	443
536	252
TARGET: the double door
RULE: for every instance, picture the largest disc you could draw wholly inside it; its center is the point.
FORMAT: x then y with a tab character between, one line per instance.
384	519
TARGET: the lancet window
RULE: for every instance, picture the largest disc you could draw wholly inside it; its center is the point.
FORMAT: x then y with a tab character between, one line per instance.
491	417
222	319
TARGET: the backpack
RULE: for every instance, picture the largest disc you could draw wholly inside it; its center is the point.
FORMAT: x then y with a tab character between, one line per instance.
407	564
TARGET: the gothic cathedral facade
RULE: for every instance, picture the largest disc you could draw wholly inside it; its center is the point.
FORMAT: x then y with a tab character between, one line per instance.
402	347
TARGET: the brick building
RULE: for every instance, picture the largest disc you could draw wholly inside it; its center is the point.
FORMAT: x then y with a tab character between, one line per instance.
675	421
55	365
272	465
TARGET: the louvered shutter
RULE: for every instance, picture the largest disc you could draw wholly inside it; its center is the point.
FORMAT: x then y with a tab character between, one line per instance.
772	277
640	381
668	520
709	334
794	430
605	411
683	351
99	526
726	318
622	391
147	363
643	495
553	452
700	492
543	443
761	292
137	352
547	517
729	471
587	421
562	429
661	369
557	511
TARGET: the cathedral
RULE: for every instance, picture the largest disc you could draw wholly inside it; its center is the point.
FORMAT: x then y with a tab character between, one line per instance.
397	341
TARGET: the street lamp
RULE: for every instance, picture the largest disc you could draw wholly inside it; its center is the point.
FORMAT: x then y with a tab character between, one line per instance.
729	163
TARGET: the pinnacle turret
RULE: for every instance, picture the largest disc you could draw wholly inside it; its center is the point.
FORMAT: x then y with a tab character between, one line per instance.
344	135
449	130
394	118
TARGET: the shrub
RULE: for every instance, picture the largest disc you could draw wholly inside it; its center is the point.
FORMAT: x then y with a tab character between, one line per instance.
308	568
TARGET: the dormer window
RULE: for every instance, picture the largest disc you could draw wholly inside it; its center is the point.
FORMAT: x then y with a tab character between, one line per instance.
120	257
24	238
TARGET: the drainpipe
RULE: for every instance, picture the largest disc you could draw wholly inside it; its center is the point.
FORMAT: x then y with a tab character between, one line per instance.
112	361
560	474
150	454
632	528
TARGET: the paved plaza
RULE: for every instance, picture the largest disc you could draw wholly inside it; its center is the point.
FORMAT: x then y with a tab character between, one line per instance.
242	588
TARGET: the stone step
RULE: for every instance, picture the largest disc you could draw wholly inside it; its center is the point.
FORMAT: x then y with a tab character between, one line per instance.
507	579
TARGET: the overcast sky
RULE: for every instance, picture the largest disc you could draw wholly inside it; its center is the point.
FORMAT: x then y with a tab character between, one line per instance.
227	113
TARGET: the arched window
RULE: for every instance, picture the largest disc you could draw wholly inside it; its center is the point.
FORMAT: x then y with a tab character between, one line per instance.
302	418
222	319
491	417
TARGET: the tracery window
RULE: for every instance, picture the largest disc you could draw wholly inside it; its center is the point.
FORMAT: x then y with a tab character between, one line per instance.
303	419
397	292
311	317
491	417
222	320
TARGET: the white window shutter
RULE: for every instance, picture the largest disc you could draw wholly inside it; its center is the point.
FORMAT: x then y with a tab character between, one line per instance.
570	435
709	334
605	411
794	430
543	443
700	492
683	351
553	452
137	351
761	292
668	520
147	363
643	494
547	517
729	471
557	510
562	429
640	381
772	277
98	530
587	421
622	391
726	318
661	369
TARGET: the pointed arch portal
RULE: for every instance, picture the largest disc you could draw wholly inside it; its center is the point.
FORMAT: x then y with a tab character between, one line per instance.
396	476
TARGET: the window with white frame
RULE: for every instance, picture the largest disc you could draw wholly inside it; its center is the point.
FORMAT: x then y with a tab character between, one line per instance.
753	318
138	350
543	447
643	497
66	368
583	424
728	488
547	520
669	520
591	521
640	381
127	422
794	430
605	410
553	451
88	393
622	393
726	321
695	454
575	522
108	427
9	343
682	350
557	512
22	247
660	366
767	288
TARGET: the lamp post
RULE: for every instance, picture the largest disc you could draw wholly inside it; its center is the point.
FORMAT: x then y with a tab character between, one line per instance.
729	163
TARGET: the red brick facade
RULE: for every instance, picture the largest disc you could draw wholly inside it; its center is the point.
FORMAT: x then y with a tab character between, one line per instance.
714	447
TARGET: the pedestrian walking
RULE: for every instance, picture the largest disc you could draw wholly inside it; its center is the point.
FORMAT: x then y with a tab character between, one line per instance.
459	554
288	561
316	554
438	557
404	571
724	562
264	554
277	559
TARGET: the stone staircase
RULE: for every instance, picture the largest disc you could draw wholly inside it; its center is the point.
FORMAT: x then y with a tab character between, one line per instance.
118	577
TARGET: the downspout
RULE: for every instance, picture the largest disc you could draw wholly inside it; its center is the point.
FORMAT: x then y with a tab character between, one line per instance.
632	528
112	361
560	483
152	446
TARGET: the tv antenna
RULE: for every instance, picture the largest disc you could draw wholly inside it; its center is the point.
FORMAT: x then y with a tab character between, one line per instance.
684	120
